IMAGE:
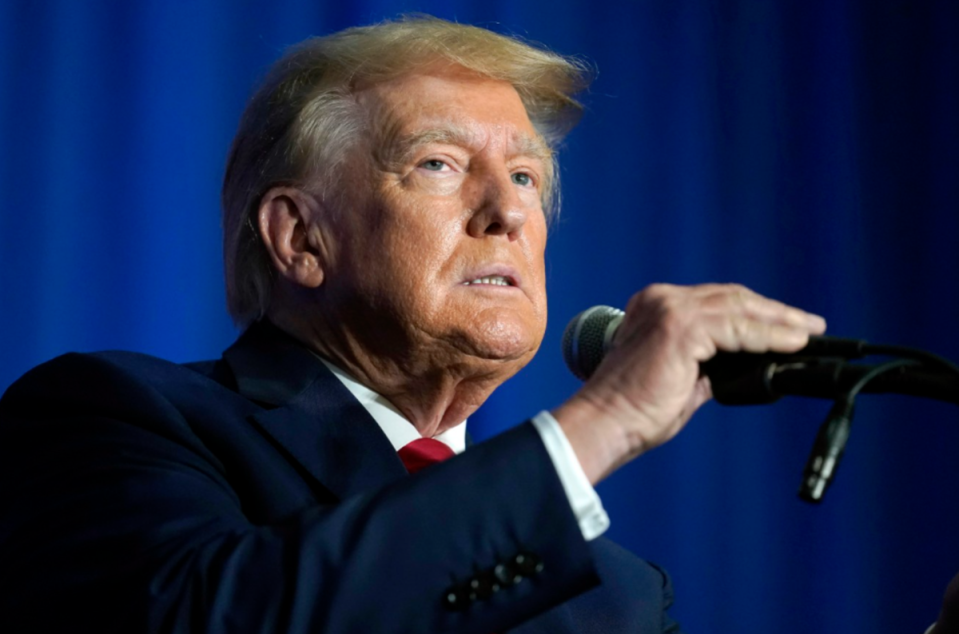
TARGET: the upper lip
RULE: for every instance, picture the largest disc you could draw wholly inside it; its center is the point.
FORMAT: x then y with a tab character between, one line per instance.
493	270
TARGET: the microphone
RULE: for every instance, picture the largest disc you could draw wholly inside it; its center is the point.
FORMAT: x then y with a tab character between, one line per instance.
589	336
826	452
742	378
819	370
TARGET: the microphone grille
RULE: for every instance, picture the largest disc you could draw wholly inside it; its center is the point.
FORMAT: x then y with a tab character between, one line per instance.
585	339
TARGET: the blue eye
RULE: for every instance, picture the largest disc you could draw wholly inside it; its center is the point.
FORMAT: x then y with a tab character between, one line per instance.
433	165
522	179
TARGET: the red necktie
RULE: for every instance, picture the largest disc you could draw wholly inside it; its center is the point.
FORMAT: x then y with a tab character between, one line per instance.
423	452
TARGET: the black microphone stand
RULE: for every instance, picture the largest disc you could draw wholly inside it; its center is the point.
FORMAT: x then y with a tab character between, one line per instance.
823	370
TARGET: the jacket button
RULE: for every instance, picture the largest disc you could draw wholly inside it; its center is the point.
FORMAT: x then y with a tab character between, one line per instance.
527	564
456	598
506	576
483	585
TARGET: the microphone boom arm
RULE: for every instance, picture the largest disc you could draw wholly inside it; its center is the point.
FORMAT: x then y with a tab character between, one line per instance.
750	379
820	370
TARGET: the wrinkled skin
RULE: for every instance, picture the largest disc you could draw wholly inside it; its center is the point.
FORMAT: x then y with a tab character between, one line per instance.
445	188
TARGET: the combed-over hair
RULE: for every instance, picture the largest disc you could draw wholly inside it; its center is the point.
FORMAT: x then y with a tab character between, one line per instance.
299	125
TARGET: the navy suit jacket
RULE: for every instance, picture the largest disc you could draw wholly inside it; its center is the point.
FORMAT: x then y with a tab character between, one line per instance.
255	494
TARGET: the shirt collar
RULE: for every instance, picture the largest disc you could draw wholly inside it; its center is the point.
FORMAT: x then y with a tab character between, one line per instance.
397	428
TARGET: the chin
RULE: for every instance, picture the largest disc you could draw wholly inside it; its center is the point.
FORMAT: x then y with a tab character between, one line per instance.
503	339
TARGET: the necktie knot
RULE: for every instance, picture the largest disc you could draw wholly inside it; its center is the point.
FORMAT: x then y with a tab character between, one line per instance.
423	452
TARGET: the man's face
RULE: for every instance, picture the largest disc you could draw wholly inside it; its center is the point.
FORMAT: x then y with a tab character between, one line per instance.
436	246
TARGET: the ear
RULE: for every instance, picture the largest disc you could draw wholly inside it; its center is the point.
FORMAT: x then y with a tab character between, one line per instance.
286	217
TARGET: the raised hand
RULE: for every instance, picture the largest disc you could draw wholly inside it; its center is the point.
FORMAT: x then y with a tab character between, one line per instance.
649	384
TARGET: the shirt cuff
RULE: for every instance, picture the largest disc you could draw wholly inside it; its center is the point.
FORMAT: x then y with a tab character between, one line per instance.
585	502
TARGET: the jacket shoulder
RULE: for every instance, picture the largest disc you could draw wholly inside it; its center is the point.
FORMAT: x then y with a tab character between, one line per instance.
117	385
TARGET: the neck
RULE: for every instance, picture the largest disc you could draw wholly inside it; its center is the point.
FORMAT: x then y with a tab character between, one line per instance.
434	386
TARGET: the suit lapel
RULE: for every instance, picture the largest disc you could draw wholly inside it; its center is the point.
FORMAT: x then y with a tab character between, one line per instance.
311	414
334	438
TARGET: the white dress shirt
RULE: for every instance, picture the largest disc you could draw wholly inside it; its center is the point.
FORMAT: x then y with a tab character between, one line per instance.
583	499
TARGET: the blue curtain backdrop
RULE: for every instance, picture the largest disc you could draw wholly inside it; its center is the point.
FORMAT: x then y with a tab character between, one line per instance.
807	149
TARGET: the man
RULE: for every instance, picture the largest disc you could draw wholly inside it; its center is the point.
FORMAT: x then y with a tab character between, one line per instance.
385	212
948	622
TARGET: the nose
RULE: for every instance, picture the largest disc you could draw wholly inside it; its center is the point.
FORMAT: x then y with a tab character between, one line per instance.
498	208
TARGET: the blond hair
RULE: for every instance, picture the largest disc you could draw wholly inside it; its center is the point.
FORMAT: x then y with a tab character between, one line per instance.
298	126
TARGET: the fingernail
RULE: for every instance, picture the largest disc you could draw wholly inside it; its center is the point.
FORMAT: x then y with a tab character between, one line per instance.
815	322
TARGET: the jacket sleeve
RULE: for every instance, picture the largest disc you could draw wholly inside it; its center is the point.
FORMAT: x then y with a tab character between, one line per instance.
116	517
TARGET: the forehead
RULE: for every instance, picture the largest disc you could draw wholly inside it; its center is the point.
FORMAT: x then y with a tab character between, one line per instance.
471	107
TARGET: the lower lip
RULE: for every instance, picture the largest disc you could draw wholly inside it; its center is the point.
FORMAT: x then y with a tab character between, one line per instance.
498	287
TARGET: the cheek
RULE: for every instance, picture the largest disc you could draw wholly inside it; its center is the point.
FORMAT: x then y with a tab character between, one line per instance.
536	257
422	241
411	262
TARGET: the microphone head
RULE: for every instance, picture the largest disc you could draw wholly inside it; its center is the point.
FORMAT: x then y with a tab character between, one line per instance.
588	337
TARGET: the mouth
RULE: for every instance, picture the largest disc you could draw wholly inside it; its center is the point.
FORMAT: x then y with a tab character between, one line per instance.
491	280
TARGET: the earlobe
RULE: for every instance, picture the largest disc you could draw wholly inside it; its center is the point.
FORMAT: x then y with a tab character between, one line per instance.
286	217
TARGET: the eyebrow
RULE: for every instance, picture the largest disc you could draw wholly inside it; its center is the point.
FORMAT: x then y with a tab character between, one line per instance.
399	149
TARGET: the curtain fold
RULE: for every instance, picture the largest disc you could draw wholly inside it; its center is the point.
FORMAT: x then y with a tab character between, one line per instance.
809	150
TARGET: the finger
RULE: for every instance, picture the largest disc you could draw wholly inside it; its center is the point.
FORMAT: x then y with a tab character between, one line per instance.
775	312
738	333
737	299
702	392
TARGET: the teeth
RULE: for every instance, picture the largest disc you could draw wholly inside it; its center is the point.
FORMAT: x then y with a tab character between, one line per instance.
496	280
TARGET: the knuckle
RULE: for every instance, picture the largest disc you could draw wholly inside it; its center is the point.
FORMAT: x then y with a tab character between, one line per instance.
737	293
742	295
653	292
673	323
739	329
700	344
654	297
